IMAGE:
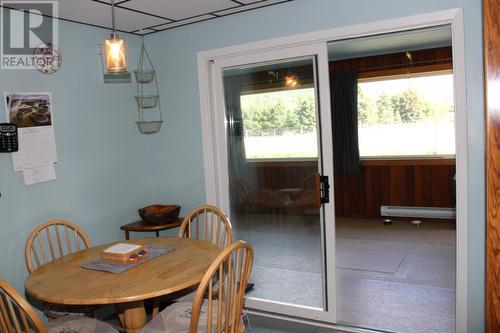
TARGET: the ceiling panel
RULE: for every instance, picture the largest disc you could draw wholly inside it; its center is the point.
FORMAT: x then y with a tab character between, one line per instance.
144	31
178	9
152	16
99	14
249	1
117	2
255	5
184	22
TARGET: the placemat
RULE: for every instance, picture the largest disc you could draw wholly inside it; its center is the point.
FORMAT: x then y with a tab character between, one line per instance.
153	252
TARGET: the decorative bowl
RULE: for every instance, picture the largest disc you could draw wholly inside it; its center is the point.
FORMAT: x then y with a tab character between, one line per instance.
160	214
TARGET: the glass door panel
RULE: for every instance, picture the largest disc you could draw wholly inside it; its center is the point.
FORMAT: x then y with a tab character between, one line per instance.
399	276
274	151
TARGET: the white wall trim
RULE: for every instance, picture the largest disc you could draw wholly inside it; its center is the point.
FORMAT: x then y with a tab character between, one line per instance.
454	17
206	107
336	327
462	193
358	30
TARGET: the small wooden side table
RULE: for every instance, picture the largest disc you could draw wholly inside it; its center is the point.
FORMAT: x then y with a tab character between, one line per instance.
141	226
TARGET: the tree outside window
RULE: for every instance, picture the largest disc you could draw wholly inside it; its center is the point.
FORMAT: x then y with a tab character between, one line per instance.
406	116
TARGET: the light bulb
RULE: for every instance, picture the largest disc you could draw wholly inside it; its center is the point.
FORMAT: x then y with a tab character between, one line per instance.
291	81
114	49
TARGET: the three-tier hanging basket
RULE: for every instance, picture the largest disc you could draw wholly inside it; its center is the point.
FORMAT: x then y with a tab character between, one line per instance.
148	95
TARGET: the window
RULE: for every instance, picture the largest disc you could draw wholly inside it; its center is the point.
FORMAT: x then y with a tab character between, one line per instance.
280	124
406	116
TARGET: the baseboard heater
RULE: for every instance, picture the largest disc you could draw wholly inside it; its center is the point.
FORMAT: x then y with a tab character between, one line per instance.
420	212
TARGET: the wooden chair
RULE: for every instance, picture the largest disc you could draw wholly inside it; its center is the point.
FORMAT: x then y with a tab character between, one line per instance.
224	282
208	223
247	200
52	240
17	316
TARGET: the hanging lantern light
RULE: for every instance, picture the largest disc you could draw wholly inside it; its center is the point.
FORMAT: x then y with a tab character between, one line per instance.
114	50
114	54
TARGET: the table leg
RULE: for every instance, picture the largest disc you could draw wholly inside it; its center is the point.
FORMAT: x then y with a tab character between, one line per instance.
134	316
157	234
127	235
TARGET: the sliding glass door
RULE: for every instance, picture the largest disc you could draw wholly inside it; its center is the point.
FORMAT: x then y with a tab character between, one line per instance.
277	169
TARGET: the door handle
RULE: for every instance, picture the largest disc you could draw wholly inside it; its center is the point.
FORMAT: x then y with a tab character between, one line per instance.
325	189
322	190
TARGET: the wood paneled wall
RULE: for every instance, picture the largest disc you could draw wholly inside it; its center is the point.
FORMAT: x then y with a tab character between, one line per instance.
426	184
429	60
491	33
423	183
279	175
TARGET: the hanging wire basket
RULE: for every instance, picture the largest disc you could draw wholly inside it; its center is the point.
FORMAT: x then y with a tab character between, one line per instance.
147	101
151	100
144	76
149	127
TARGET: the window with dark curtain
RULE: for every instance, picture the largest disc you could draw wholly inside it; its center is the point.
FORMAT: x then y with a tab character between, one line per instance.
344	97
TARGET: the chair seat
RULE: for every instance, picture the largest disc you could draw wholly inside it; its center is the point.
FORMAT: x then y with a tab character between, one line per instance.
187	298
176	318
79	324
54	311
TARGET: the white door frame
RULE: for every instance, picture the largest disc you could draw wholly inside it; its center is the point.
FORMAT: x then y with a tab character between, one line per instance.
213	154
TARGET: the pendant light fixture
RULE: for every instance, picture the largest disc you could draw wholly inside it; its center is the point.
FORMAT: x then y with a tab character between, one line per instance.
114	55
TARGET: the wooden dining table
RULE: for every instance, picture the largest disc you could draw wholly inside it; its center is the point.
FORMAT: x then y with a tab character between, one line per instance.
64	281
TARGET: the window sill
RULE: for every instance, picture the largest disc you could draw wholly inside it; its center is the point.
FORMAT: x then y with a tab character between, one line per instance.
365	161
280	162
408	160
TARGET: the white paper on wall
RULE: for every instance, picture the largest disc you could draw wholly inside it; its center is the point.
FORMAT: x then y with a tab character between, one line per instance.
39	174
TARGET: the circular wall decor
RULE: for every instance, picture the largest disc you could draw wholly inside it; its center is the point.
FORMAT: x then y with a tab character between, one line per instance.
47	58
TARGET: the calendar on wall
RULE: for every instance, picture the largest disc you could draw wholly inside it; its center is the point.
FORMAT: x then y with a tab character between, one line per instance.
33	115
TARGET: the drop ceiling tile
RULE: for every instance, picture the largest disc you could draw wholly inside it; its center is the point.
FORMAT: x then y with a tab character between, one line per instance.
246	2
249	6
184	22
179	9
144	31
96	13
117	2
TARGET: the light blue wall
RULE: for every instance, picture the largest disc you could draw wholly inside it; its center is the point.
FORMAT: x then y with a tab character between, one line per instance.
106	171
103	176
177	162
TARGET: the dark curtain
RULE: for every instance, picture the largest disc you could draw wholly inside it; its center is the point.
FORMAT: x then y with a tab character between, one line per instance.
344	97
238	168
236	147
